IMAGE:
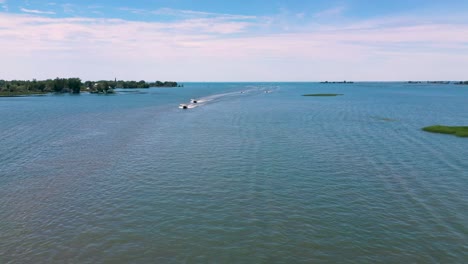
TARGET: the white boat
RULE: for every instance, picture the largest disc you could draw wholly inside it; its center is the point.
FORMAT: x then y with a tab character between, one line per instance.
193	101
183	106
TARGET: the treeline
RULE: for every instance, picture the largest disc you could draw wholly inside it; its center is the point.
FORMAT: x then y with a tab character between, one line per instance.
58	85
129	84
464	83
73	85
143	84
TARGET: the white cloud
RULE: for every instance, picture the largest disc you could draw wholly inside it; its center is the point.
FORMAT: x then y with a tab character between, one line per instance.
133	10
186	14
300	15
192	13
4	5
217	49
32	11
335	11
68	8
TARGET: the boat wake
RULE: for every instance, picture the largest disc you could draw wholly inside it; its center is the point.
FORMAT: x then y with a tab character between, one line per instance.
248	91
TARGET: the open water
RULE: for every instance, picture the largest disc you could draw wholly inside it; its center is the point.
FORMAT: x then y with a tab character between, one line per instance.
253	173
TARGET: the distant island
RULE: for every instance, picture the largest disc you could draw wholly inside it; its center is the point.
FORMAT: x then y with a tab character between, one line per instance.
438	82
430	82
336	82
329	94
459	131
72	85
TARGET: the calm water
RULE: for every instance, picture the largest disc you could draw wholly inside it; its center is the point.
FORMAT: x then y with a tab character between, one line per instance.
248	177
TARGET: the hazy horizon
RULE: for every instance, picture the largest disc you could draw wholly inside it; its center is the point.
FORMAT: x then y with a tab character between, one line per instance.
240	81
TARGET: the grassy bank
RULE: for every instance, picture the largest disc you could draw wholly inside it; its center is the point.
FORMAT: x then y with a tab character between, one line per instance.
460	131
322	94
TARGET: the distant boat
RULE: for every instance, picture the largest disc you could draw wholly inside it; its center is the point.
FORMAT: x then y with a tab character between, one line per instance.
193	101
183	106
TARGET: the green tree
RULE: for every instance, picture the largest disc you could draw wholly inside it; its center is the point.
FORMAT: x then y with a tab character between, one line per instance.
58	85
74	84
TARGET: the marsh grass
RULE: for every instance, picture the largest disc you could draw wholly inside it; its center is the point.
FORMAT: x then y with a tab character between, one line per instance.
460	131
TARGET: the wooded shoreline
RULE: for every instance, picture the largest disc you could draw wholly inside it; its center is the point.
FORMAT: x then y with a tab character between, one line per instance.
72	85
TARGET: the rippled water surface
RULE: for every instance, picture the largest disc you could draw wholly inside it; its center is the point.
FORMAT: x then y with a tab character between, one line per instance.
253	173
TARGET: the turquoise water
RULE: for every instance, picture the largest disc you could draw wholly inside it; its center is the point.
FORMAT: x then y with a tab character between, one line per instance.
249	177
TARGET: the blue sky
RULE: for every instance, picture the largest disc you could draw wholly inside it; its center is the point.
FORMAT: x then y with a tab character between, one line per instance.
355	8
254	40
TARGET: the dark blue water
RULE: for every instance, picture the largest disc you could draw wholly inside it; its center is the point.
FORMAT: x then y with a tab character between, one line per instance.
244	176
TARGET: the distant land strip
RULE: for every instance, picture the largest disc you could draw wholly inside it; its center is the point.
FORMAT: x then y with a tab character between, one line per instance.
460	131
324	94
72	85
440	82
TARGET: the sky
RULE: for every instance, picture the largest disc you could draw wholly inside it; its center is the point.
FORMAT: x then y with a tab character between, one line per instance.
242	40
